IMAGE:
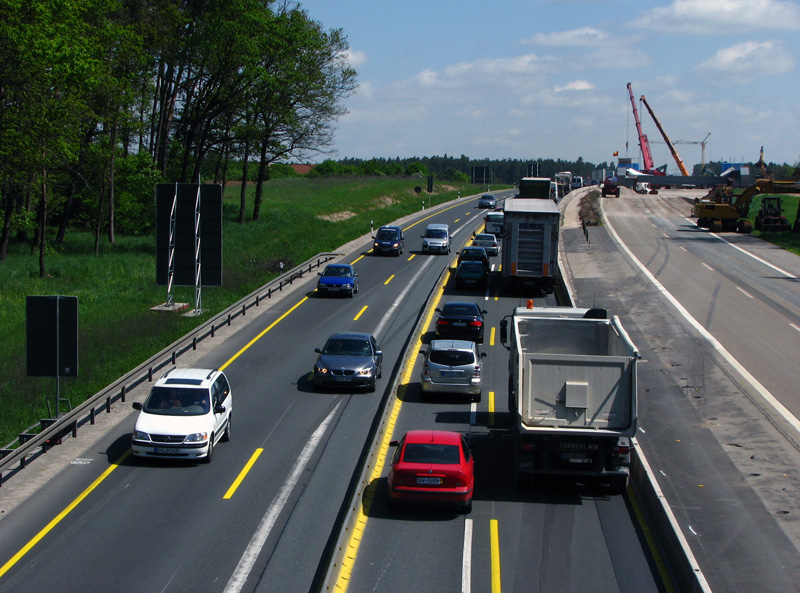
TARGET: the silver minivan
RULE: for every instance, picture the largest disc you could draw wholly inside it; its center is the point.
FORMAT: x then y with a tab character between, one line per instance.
452	366
436	239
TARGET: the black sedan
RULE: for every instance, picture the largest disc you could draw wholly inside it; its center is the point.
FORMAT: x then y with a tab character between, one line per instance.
350	360
460	321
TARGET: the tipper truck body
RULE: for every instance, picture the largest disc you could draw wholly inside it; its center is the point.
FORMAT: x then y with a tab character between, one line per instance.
536	188
571	393
530	244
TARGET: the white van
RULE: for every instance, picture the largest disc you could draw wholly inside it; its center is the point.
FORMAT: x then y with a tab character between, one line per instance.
436	239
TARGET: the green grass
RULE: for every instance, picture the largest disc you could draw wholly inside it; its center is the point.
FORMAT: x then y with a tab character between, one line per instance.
117	331
787	240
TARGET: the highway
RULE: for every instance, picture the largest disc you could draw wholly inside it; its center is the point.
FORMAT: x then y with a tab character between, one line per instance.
264	514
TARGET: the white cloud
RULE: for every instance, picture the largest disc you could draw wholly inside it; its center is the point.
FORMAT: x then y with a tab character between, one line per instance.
751	58
586	36
722	16
576	85
356	58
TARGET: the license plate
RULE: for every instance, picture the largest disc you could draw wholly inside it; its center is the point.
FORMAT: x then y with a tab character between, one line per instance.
459	324
575	458
451	373
168	450
428	481
333	288
345	378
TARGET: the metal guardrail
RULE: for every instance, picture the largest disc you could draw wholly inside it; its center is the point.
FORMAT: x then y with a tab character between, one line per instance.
53	430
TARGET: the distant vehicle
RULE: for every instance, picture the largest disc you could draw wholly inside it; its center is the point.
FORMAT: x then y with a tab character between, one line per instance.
436	239
461	321
530	244
338	279
349	359
537	188
471	273
493	223
475	253
452	366
487	201
589	181
187	412
388	239
488	241
433	467
610	188
577	182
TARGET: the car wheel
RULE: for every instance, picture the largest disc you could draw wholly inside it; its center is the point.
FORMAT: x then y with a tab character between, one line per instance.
226	436
372	386
467	508
210	455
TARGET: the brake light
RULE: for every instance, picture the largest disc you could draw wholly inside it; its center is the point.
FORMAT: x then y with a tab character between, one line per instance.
426	369
623	450
443	322
476	323
476	372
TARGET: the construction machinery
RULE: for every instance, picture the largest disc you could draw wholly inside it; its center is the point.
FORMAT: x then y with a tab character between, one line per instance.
674	152
721	210
644	144
770	216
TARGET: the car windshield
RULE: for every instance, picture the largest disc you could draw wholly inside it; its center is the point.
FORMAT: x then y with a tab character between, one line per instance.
463	309
496	217
471	266
336	271
386	234
453	358
348	347
435	234
431	453
472	254
177	401
489	238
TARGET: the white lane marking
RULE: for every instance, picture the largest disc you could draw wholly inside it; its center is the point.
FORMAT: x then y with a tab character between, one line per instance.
473	412
248	559
795	326
744	292
389	315
707	266
747	253
763	391
466	562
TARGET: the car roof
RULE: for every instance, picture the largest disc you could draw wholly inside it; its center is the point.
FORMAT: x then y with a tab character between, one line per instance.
438	226
187	377
351	335
474	248
444	437
390	226
460	304
486	235
444	344
339	266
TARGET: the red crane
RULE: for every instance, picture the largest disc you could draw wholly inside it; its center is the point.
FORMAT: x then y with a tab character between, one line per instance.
647	156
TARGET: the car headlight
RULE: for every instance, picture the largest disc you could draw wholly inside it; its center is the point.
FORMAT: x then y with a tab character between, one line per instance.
138	435
320	369
197	437
365	372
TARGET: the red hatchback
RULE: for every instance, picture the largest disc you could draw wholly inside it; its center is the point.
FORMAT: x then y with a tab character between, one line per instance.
432	466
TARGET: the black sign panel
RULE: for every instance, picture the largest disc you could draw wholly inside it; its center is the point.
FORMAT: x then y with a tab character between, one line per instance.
52	336
210	233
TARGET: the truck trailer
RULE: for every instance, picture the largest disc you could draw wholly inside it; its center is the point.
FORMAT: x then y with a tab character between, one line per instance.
530	244
571	394
536	188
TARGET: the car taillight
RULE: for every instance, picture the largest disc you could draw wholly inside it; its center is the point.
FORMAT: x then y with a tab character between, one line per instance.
426	369
476	372
476	323
443	322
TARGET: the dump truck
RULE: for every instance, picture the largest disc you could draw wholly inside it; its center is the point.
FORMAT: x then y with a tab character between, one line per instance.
535	188
571	394
530	244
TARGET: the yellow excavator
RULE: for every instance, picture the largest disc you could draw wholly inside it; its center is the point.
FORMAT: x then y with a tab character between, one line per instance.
721	210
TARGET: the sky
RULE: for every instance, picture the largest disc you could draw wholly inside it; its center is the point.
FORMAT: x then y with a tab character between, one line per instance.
528	79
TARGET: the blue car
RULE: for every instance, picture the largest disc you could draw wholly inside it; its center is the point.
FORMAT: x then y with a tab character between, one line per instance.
338	279
388	239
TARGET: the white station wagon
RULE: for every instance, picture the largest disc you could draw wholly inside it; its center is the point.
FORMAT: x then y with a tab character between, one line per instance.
187	412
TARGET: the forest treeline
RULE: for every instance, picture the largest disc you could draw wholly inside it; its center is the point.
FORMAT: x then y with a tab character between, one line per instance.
102	99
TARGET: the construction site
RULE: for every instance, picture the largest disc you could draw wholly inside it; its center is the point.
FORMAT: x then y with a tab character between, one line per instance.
737	201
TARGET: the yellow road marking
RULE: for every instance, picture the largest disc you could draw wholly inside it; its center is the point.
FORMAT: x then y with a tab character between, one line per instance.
651	542
364	308
413	255
242	474
491	408
389	280
35	540
491	336
495	542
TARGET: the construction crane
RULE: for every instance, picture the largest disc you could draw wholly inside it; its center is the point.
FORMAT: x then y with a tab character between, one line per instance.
702	144
674	152
647	156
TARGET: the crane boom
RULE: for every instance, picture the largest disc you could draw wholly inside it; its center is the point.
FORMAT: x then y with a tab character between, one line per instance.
647	156
674	152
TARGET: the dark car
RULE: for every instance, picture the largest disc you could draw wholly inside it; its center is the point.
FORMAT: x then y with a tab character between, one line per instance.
349	359
487	201
471	273
474	253
338	279
460	320
388	239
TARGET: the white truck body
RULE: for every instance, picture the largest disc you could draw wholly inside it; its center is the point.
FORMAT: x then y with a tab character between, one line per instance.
572	392
530	243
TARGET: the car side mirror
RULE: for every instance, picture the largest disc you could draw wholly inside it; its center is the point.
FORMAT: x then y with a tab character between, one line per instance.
394	443
484	311
484	354
137	405
219	409
318	350
319	273
379	353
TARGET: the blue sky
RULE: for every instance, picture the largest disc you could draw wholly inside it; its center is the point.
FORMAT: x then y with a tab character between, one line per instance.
534	79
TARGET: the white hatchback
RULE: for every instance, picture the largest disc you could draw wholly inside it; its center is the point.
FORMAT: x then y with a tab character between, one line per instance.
187	412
